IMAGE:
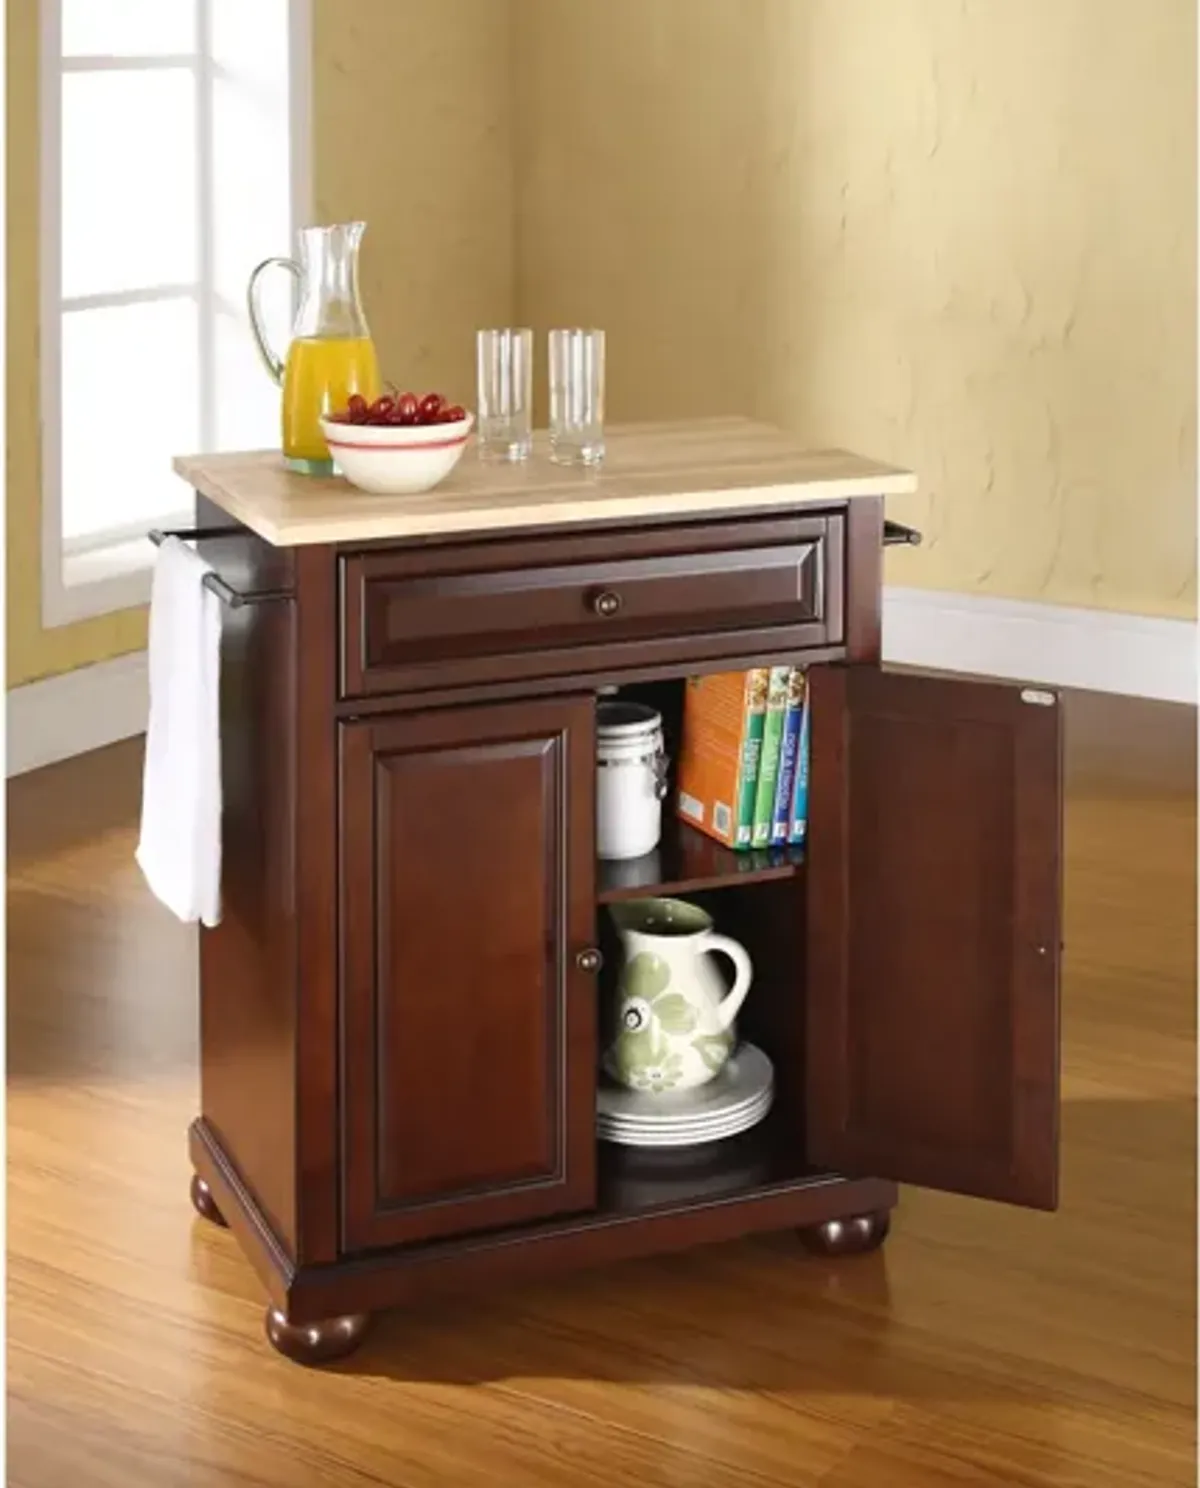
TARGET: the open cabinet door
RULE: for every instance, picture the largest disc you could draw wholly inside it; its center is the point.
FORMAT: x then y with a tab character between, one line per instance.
935	811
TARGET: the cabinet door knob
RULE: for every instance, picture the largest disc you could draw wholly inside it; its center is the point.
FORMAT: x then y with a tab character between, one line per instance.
606	603
589	960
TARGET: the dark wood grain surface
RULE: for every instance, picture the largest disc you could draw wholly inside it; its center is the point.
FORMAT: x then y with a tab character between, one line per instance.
248	963
646	663
863	602
686	861
934	932
415	889
468	614
469	1031
314	887
599	1238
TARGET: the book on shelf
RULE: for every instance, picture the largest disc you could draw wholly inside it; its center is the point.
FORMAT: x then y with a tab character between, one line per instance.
723	720
768	758
785	782
799	826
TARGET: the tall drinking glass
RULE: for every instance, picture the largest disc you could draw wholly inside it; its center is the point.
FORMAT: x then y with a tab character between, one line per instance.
577	397
504	375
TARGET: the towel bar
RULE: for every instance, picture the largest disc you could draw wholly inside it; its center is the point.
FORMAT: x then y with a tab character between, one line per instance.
895	533
234	598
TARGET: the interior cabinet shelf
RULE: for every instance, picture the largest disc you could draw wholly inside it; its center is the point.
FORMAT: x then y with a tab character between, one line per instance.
764	1158
686	861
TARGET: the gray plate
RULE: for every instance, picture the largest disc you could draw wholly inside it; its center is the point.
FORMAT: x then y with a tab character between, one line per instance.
746	1078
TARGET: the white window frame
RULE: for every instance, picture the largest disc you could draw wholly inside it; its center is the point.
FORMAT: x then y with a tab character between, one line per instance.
111	571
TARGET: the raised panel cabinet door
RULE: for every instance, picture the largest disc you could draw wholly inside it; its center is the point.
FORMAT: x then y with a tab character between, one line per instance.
469	1028
934	871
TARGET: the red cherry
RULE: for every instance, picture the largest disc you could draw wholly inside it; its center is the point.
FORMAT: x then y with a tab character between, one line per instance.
453	414
431	405
408	406
356	409
381	409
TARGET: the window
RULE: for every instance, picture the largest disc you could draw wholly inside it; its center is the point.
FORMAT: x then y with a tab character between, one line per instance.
174	158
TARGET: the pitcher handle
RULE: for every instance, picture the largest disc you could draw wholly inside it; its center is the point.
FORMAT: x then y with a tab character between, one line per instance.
272	363
743	969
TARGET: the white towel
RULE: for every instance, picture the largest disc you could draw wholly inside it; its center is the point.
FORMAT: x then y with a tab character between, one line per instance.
180	847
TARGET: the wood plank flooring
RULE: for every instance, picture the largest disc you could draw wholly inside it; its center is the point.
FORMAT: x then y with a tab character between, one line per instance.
981	1346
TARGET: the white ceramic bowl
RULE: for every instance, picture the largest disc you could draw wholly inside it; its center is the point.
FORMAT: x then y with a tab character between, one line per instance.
396	460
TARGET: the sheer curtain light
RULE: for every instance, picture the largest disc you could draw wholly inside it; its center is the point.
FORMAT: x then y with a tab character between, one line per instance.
174	149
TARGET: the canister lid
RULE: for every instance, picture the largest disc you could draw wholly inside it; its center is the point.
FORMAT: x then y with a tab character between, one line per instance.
625	720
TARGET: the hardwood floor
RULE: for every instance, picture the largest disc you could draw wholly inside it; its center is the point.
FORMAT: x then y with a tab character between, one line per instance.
982	1345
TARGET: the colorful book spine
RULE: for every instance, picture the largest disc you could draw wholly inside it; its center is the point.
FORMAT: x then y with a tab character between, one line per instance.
799	829
717	765
768	760
781	817
757	682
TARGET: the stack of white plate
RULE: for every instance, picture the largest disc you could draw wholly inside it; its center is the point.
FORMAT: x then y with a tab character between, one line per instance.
737	1099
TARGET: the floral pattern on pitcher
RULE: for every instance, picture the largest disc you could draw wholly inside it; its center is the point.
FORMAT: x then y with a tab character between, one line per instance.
651	1022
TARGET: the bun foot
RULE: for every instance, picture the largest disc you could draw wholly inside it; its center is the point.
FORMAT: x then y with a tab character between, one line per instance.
844	1237
204	1204
316	1343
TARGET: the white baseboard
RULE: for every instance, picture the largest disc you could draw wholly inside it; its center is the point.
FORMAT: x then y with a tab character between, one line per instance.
1097	650
1094	649
86	709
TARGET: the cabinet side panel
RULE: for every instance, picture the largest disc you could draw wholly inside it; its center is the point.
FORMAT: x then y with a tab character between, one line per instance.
316	1050
864	579
247	963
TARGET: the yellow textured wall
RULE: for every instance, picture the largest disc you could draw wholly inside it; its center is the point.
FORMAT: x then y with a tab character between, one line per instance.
958	234
412	132
414	136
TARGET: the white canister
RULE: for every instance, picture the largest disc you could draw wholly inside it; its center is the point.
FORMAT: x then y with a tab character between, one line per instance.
631	779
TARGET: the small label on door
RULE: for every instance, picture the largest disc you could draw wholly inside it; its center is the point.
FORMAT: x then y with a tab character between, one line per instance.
1036	695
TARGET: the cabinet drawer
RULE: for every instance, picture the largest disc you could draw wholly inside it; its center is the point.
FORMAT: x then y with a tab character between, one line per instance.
418	618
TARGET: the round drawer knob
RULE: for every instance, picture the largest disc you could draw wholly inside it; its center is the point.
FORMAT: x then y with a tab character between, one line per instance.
589	960
606	604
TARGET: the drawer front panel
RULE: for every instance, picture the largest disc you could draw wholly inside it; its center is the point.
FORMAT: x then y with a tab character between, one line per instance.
538	608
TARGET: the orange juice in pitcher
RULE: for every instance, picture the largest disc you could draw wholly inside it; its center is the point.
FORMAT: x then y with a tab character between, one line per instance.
331	354
319	375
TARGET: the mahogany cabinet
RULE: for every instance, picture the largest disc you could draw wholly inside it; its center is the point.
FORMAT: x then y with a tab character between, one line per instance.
400	1010
933	932
468	1024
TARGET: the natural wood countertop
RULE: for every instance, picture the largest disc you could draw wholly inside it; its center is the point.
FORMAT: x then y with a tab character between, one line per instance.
708	466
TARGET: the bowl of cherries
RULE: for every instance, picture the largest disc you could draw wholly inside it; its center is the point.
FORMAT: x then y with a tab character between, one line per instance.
399	445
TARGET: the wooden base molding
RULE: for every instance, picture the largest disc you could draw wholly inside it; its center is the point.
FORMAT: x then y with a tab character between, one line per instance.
312	1295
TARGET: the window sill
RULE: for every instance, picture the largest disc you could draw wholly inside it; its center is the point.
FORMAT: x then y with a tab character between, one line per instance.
99	582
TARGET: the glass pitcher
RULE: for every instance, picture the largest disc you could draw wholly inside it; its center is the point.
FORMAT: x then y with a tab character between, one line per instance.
331	354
